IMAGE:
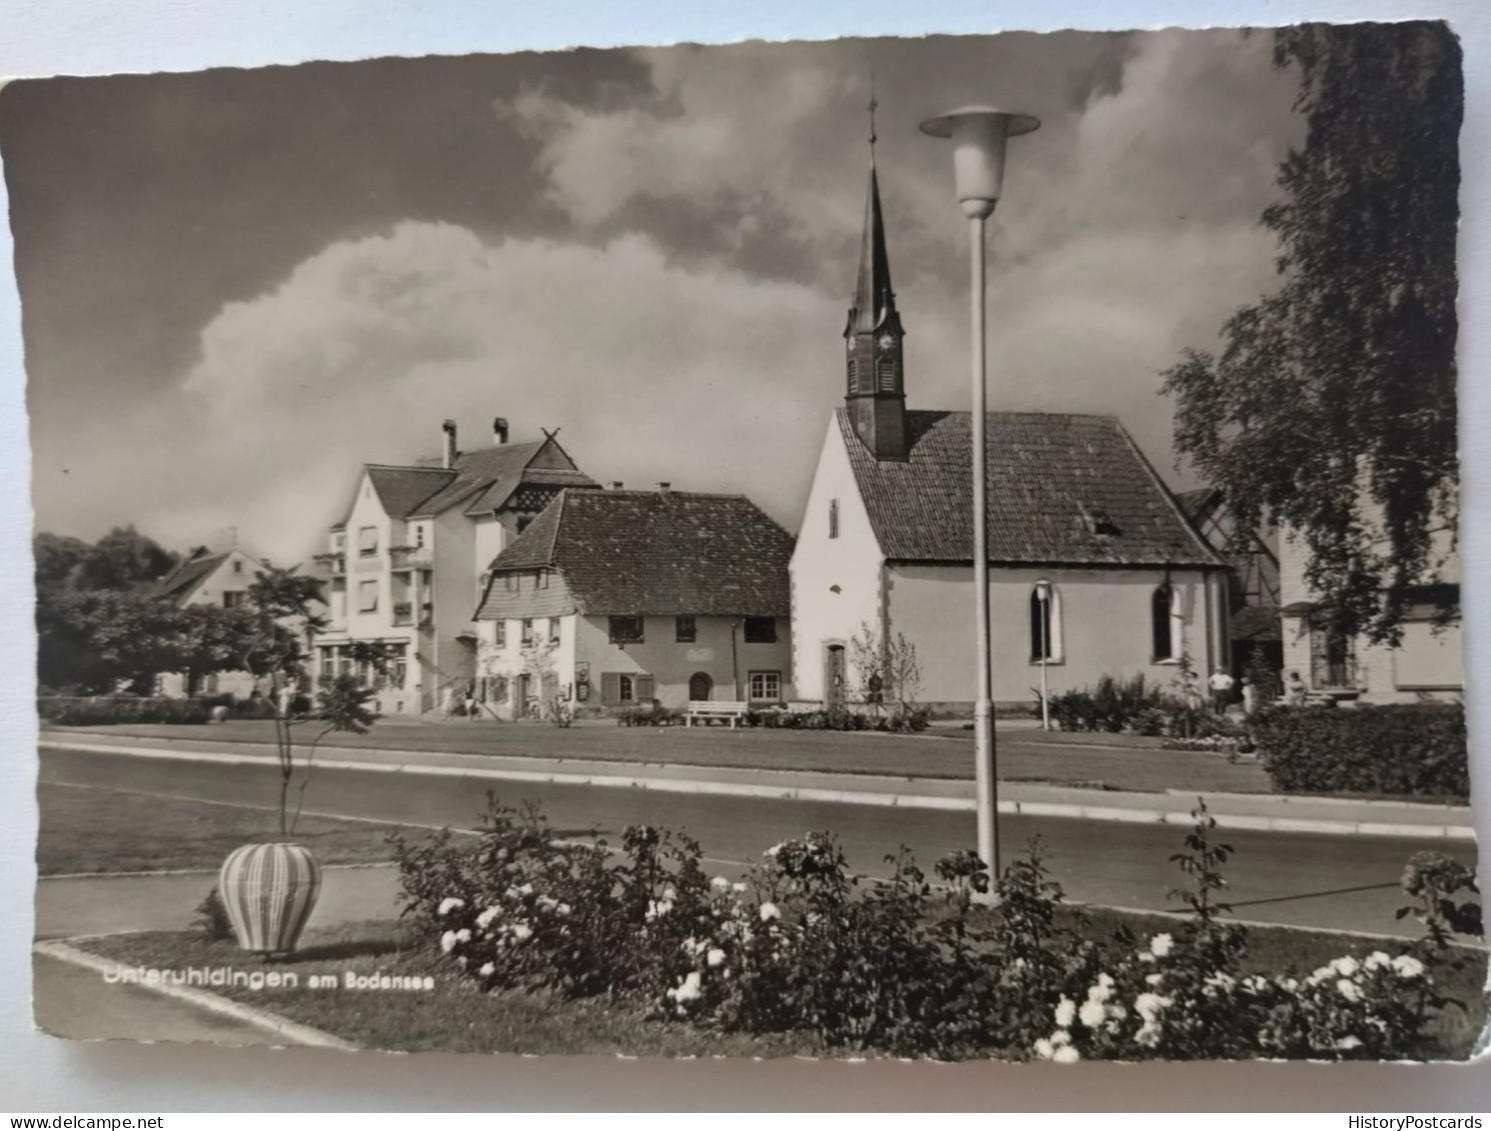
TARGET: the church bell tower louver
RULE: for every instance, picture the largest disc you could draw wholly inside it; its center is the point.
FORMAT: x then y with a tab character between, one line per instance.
875	368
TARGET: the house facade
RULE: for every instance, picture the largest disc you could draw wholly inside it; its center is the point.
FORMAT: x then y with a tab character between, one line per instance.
1094	568
207	578
405	565
615	599
1253	555
1428	662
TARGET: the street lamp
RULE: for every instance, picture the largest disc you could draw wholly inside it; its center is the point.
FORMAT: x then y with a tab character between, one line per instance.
979	135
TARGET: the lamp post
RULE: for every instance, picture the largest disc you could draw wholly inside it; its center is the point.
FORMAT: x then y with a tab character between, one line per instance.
979	134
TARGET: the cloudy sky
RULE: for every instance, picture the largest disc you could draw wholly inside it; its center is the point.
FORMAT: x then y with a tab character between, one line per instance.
237	286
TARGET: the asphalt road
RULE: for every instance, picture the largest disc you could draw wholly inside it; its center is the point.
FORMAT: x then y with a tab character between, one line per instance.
1274	877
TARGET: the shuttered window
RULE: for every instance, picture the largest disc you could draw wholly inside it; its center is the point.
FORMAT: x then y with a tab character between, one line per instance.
760	630
626	630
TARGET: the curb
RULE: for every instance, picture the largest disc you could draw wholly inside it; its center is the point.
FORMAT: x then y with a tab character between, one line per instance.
293	1032
833	796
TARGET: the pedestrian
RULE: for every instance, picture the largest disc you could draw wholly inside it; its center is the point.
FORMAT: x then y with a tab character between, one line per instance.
1295	691
470	701
1221	684
447	700
1250	696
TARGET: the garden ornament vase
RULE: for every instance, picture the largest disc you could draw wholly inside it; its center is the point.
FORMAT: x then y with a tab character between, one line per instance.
269	891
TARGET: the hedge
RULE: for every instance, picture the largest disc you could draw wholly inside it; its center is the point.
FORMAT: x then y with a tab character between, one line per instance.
100	711
1412	749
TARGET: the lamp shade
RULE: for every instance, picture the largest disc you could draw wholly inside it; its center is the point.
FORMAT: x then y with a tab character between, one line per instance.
979	134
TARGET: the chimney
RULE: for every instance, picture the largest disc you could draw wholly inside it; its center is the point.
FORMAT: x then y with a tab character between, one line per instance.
665	486
448	452
499	430
616	484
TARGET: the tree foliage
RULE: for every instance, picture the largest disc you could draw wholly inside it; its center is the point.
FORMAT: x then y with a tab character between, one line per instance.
1331	406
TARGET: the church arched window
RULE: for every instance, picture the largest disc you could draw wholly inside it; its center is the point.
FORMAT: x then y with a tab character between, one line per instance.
1166	623
853	375
1045	623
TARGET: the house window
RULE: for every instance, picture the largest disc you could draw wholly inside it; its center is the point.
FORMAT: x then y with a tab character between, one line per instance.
1332	663
499	688
513	583
684	630
543	579
833	518
419	535
233	598
761	630
1165	623
399	668
237	567
553	630
626	630
766	687
499	634
626	689
367	541
328	663
1045	623
527	636
367	597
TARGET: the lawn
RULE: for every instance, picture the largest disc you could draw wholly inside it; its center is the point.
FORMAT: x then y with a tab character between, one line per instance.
1118	761
454	1017
81	827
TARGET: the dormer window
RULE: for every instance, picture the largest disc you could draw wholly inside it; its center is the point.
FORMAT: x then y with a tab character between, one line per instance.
1097	520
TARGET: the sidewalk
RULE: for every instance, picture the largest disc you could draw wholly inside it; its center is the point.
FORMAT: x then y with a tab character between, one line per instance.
1255	811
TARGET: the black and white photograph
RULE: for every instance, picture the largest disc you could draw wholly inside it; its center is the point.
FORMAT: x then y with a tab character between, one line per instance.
935	548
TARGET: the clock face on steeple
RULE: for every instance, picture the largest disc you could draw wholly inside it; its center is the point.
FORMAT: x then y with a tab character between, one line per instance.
887	341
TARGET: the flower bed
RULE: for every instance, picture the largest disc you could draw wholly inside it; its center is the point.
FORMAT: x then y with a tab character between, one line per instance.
897	966
105	709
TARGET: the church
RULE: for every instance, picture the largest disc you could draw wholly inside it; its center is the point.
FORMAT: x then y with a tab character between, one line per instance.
1094	568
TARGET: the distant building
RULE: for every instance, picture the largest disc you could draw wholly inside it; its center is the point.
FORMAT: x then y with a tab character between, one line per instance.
613	599
1253	555
207	578
405	564
886	541
1429	662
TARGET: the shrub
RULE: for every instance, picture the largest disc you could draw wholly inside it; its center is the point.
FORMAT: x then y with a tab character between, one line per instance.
106	710
211	920
1111	706
650	715
1412	749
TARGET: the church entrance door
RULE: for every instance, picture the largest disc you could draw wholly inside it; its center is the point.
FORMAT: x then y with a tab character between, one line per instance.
700	687
833	677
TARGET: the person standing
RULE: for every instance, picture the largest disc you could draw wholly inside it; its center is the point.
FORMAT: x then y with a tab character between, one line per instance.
470	701
1295	691
1221	684
1249	696
447	700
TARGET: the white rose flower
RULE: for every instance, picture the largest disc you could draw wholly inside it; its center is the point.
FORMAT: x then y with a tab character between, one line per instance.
738	887
1148	1006
771	852
1346	1044
448	941
1346	967
562	909
1148	1035
1161	945
1092	1013
484	920
719	883
487	970
1066	1012
526	889
690	988
1066	1054
769	911
1377	960
1045	1049
715	957
1349	989
1154	979
1408	966
522	931
450	903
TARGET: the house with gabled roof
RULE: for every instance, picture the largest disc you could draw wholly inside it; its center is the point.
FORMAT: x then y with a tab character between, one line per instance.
1094	568
204	577
619	598
405	563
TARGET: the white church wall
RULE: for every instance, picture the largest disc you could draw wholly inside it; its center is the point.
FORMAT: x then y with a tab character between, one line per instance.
836	581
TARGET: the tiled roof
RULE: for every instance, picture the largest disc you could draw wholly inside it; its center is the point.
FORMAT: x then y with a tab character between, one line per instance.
484	479
1192	502
402	489
1063	489
181	581
656	552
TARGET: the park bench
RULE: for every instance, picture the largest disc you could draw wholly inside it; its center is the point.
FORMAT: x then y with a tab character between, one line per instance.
707	710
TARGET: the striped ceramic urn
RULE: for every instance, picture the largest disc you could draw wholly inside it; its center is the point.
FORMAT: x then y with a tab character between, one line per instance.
269	891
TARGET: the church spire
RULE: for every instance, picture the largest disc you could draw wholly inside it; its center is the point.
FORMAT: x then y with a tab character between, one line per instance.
876	393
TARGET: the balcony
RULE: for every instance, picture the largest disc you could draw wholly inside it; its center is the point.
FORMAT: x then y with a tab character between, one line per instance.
427	613
410	557
336	564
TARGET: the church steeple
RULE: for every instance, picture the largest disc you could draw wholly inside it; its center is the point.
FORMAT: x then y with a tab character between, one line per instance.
875	373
